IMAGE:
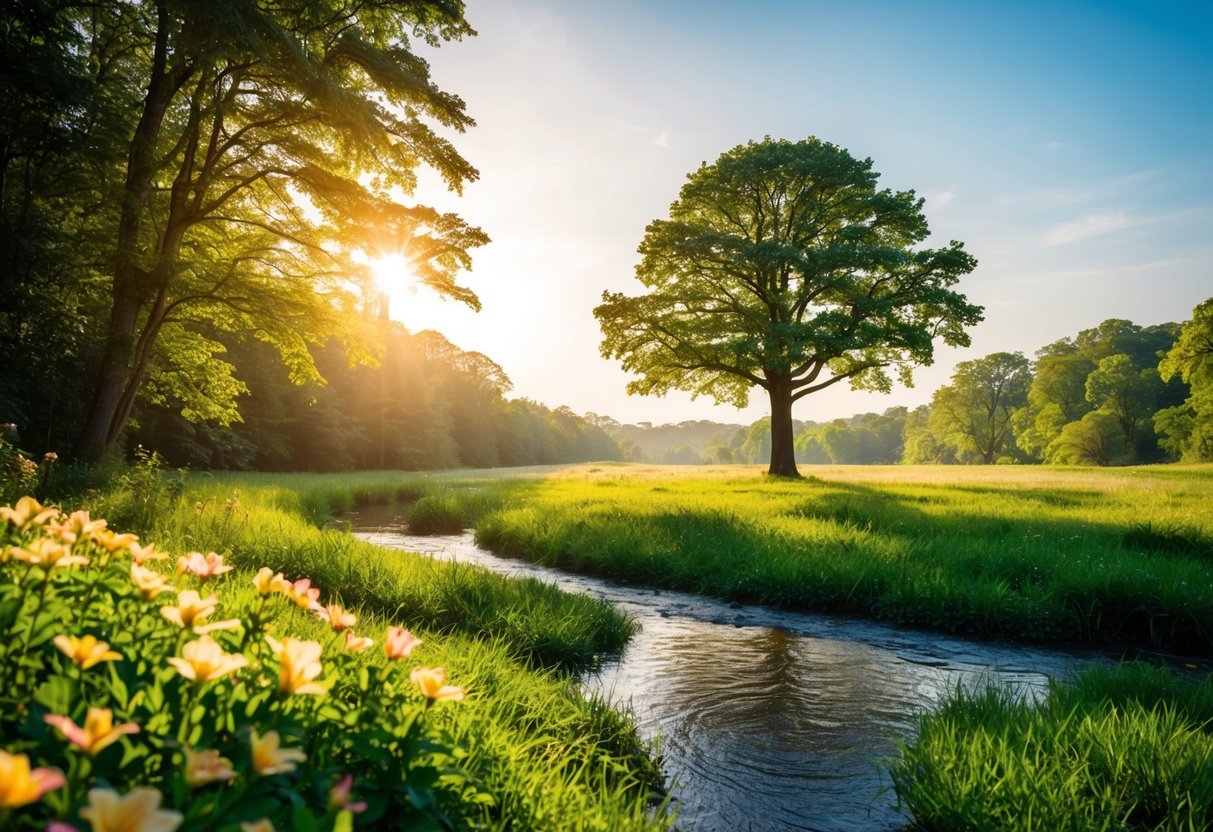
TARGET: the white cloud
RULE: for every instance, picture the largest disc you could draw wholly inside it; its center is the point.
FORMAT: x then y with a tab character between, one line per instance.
937	199
1091	225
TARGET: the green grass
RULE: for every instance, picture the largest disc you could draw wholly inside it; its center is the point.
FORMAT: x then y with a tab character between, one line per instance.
1100	557
1123	748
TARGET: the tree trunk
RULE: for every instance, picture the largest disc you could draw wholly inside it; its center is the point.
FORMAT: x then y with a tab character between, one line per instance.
783	452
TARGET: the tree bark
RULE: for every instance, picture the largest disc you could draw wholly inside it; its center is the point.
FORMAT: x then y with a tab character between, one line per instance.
783	451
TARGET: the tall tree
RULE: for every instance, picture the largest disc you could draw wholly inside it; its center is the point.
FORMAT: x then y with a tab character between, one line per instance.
782	266
974	411
265	154
1187	428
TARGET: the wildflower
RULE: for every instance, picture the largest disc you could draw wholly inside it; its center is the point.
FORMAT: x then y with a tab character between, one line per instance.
192	609
339	796
20	785
142	554
337	617
50	456
149	583
206	766
112	542
85	651
269	758
267	581
203	566
47	553
300	663
262	825
27	512
137	811
303	594
356	644
399	642
98	732
77	526
203	660
432	681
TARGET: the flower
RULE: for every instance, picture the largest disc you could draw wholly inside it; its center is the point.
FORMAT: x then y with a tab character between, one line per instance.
27	512
142	554
300	663
137	811
85	651
77	526
203	566
206	766
262	825
399	642
303	594
432	681
149	582
19	785
339	796
48	554
356	644
269	758
268	581
99	729
192	609
112	542
337	617
203	660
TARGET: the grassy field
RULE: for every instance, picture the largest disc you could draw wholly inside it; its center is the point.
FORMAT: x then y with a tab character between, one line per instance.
1111	557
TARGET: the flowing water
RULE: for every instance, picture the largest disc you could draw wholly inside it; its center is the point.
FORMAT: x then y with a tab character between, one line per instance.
765	719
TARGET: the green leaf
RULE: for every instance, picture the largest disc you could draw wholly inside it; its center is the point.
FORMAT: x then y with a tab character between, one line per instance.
56	694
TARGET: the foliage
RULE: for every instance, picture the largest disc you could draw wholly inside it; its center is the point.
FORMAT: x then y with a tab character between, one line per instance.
1122	748
783	267
1187	428
973	413
864	439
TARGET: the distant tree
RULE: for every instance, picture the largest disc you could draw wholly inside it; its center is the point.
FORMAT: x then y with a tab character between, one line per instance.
783	267
1128	395
1186	429
921	445
1095	439
974	412
1057	395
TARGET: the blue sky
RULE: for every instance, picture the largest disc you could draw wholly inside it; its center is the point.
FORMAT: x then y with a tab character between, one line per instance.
1070	146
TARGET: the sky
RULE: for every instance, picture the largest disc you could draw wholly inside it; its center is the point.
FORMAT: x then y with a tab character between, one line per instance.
1068	145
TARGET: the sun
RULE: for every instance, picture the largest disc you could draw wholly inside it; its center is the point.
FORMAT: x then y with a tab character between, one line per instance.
414	304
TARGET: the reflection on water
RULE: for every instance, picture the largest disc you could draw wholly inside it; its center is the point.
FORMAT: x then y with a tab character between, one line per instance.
771	720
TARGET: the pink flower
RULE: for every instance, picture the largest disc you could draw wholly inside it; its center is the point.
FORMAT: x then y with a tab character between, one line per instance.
98	732
337	617
304	594
20	785
339	796
355	643
399	642
203	566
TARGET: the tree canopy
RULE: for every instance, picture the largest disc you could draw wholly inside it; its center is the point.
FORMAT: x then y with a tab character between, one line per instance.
783	266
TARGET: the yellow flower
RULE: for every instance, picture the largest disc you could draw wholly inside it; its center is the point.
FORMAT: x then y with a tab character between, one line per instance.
399	642
355	643
142	554
300	663
432	681
19	785
112	542
149	582
203	660
27	512
98	732
77	526
269	758
192	610
203	566
48	554
85	651
337	617
267	581
303	594
138	811
206	766
262	825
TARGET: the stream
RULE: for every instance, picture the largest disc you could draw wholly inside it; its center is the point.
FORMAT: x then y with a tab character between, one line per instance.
766	719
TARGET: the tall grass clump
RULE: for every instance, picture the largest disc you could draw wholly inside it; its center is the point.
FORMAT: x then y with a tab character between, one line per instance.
1126	748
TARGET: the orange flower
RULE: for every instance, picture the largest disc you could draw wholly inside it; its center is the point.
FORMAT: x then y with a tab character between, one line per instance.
85	651
48	554
19	785
399	642
192	610
142	554
337	617
113	542
206	766
356	644
203	660
300	664
303	594
432	682
266	580
138	811
99	729
269	758
27	512
203	566
149	583
77	526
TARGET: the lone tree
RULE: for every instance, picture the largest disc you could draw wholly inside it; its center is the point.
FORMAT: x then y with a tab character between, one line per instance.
783	267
